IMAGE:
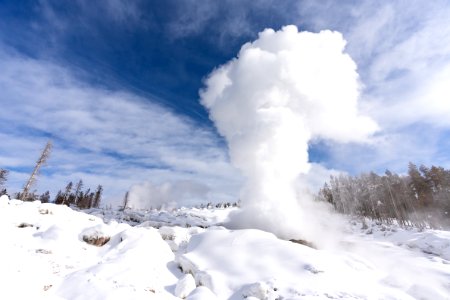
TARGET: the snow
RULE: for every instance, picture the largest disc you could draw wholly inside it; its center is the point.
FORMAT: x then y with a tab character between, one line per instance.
55	262
435	242
185	286
256	263
188	254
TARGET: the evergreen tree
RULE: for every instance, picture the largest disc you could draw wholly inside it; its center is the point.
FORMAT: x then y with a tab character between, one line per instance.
67	193
97	196
59	199
78	188
45	197
3	176
419	185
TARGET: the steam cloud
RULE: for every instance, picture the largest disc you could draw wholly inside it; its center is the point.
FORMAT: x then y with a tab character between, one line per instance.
283	90
149	195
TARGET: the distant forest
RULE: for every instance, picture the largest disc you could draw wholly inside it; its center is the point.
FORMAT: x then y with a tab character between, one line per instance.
71	196
421	198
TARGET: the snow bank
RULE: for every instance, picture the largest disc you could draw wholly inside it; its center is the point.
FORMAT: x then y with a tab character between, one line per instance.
136	263
253	263
185	286
43	249
4	200
433	242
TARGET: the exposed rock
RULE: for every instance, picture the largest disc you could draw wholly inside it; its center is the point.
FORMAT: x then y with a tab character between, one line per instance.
96	240
43	251
303	242
97	235
24	225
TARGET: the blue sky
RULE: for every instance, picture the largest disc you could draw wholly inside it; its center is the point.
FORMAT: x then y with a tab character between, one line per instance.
114	84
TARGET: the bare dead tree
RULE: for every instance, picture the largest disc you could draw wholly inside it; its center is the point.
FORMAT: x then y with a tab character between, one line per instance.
42	160
125	202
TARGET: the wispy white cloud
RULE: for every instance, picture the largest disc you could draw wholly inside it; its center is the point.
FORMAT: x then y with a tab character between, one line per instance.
227	20
126	13
106	137
402	49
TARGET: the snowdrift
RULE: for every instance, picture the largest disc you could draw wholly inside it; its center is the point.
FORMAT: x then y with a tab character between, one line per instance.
188	254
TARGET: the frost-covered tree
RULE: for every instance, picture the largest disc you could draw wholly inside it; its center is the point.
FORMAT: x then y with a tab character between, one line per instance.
422	198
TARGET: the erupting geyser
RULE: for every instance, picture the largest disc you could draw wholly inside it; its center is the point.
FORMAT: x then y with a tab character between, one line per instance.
281	91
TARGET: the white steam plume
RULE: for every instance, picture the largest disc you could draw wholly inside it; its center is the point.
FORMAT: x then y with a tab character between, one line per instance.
167	195
281	91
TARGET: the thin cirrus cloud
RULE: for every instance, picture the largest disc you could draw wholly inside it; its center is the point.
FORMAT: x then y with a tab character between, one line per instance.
102	136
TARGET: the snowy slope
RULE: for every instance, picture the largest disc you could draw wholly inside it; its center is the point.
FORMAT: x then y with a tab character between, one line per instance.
48	257
185	253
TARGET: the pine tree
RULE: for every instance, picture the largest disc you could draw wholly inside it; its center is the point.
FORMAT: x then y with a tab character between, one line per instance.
84	200
59	199
3	176
80	199
78	188
67	193
419	185
45	197
97	196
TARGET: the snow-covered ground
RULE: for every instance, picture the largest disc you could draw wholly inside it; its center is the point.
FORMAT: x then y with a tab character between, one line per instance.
187	253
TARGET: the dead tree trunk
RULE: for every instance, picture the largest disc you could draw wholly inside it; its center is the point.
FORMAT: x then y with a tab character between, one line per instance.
42	159
125	202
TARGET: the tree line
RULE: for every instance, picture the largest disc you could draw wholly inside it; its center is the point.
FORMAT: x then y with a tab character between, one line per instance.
421	198
70	196
75	195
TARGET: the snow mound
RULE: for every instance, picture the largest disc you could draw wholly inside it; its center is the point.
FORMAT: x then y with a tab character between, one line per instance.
433	242
43	249
51	260
136	262
4	201
252	263
185	286
202	293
